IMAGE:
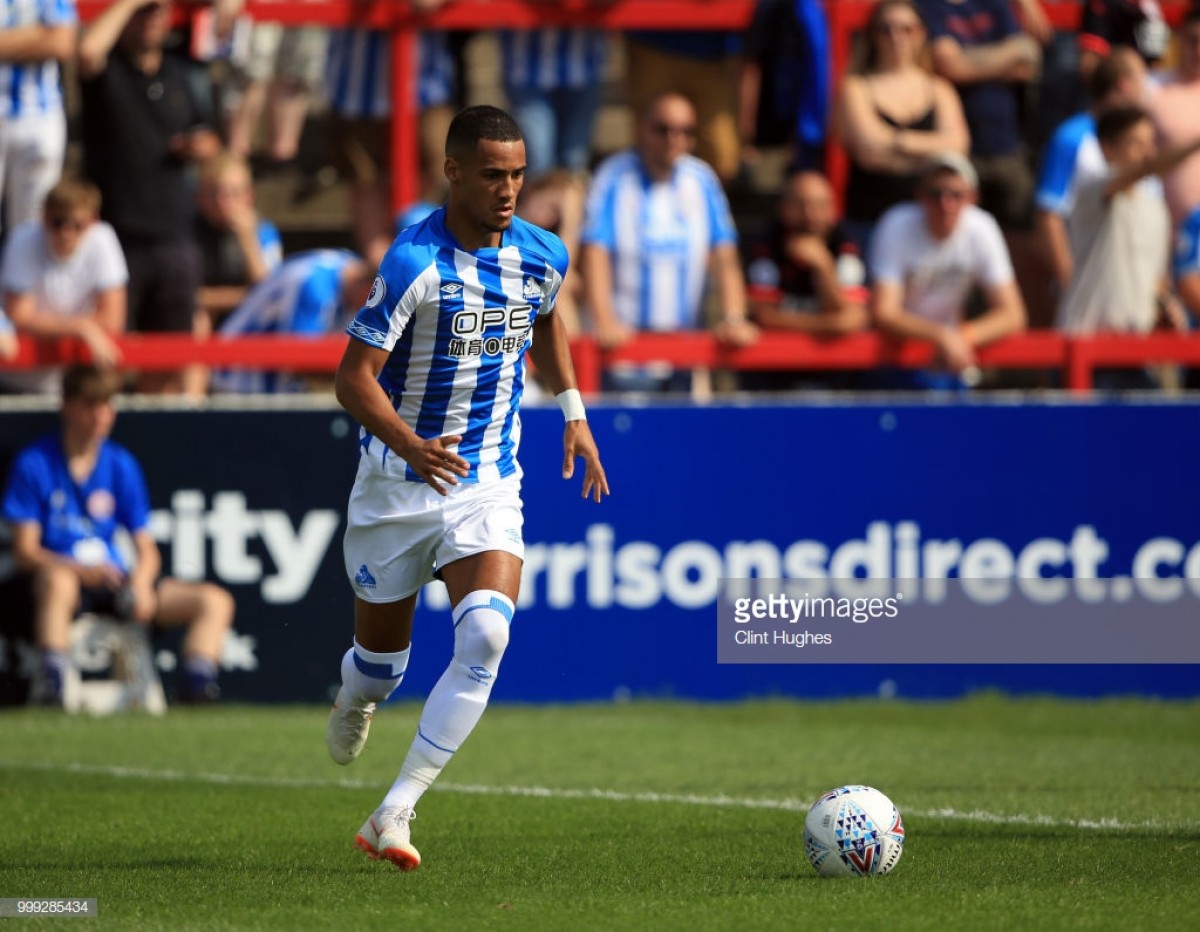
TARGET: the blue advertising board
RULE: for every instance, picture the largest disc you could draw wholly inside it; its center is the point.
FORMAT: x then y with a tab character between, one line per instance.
620	599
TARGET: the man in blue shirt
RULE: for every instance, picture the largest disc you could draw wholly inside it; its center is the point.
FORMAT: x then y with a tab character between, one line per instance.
69	496
434	372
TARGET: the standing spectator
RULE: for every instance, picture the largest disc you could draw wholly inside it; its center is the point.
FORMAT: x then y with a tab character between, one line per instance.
144	129
1173	108
8	338
784	82
311	293
892	115
805	275
35	37
656	218
978	47
553	79
1120	234
360	87
1073	156
64	276
238	247
284	66
702	65
1138	24
68	495
927	257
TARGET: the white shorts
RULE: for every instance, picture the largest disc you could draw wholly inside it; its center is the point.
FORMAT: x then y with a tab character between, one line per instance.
400	533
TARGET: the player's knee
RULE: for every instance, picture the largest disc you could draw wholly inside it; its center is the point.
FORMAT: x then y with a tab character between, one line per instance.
482	627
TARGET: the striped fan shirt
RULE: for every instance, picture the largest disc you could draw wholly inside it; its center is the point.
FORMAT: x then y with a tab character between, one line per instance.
29	88
550	59
359	72
457	325
660	235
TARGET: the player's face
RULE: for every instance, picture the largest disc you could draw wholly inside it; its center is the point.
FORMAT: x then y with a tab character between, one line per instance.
485	186
88	421
943	197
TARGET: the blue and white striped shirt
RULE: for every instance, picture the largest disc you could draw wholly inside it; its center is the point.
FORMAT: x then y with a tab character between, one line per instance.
359	72
457	325
32	88
549	59
660	235
1186	258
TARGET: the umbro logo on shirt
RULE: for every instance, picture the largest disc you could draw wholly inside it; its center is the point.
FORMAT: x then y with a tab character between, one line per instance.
451	289
362	331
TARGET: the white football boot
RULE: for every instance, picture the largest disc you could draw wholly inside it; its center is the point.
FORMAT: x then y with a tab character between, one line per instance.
348	728
385	837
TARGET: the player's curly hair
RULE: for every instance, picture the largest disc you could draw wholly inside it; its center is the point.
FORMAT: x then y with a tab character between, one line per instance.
474	124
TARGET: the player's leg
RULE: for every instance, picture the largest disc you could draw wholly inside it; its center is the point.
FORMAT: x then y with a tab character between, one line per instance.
207	610
56	594
372	669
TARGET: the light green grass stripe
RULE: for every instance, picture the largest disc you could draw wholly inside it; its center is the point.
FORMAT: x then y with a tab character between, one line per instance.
595	793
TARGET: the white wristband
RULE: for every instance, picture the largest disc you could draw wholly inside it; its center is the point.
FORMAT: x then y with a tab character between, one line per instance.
571	403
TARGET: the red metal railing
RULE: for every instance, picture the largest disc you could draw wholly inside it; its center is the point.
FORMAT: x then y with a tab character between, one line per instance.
1075	357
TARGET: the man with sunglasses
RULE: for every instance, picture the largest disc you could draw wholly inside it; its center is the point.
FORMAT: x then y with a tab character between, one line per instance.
927	258
64	276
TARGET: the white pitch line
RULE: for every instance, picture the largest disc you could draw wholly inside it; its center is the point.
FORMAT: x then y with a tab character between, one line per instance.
545	792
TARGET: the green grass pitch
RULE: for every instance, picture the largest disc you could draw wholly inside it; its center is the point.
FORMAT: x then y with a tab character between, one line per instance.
1021	814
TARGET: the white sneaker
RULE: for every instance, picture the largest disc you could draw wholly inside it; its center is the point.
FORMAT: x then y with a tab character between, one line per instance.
348	727
385	836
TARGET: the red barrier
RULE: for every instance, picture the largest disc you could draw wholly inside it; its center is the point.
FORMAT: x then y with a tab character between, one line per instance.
1075	356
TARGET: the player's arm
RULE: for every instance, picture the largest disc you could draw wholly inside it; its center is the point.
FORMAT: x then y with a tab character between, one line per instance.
30	556
357	388
551	354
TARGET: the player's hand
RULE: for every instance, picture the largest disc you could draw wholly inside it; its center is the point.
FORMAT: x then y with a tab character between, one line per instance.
435	462
578	441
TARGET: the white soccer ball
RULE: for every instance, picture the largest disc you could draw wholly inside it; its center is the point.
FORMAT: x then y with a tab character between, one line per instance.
853	831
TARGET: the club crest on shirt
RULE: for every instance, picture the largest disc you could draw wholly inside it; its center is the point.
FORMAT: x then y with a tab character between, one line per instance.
101	505
378	290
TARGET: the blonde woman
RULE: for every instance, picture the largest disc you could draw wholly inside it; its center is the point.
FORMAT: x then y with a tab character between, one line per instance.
892	113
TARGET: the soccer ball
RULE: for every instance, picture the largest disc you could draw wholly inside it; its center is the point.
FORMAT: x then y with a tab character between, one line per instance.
853	831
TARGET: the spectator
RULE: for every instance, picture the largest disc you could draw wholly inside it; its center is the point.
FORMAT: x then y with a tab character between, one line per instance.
805	275
1173	108
1138	24
1120	234
555	202
238	247
978	47
65	276
359	86
1073	156
553	79
1186	262
927	257
284	66
784	82
8	338
144	128
892	115
67	495
656	218
702	65
34	39
311	293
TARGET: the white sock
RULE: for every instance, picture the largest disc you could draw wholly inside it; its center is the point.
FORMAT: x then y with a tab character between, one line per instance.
372	677
481	623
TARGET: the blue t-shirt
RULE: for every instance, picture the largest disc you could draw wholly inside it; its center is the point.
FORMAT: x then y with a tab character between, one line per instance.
457	325
991	107
78	520
1186	260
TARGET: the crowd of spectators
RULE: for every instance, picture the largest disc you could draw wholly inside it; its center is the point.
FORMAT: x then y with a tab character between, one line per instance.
977	201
